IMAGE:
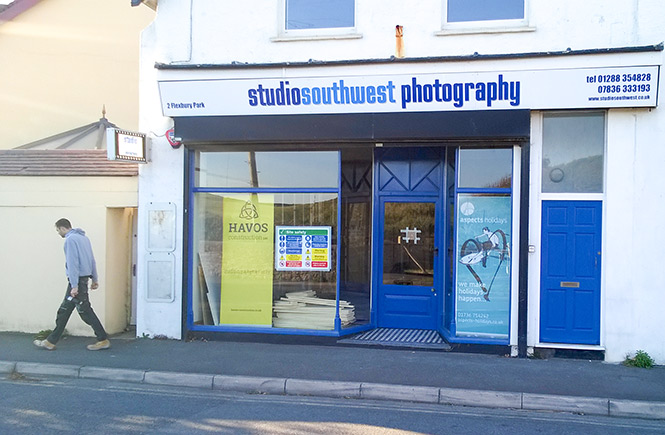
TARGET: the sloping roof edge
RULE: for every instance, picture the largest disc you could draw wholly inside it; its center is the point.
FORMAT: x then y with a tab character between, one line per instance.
76	133
16	8
63	163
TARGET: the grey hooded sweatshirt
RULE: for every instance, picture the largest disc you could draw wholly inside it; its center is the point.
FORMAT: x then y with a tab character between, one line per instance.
78	256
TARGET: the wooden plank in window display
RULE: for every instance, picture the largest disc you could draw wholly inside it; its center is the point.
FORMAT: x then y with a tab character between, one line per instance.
305	310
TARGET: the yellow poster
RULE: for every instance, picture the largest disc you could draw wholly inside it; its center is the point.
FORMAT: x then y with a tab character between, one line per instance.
247	260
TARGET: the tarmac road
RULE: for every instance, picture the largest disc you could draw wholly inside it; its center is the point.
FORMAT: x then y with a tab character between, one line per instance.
67	405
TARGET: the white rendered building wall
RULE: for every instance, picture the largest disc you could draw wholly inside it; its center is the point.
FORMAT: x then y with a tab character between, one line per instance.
633	278
160	182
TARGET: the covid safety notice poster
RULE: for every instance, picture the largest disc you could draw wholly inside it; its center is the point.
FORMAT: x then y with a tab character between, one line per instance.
247	237
482	266
302	248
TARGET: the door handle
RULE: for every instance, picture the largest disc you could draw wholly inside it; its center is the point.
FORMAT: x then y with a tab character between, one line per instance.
435	251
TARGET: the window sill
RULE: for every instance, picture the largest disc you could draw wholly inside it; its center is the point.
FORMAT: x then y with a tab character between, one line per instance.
289	38
483	30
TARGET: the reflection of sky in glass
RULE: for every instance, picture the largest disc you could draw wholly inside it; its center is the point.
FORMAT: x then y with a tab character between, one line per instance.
485	167
319	14
274	169
485	10
567	138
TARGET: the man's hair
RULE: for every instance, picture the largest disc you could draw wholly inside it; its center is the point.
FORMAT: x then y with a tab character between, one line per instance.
63	223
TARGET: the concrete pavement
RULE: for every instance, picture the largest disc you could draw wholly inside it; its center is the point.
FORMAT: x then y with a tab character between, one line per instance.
323	368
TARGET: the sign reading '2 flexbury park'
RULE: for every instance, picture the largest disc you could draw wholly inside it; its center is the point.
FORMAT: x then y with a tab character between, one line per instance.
634	86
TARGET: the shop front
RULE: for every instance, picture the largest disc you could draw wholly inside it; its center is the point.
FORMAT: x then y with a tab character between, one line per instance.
329	205
333	235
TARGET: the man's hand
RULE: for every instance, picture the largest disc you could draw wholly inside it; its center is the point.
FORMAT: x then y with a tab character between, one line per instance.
94	286
74	292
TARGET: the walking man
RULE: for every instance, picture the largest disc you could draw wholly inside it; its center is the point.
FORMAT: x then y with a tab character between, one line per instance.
80	267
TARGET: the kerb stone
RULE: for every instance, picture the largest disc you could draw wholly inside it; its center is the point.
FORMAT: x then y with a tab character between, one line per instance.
304	387
550	402
250	384
37	369
192	380
637	408
399	392
483	399
123	375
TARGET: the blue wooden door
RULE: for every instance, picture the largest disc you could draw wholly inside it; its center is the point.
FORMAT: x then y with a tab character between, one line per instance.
570	272
408	281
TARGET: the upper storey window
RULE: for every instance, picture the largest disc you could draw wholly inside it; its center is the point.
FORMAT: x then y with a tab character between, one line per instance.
477	16
317	19
319	14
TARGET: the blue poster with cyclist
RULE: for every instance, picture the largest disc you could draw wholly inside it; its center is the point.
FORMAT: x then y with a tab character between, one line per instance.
482	266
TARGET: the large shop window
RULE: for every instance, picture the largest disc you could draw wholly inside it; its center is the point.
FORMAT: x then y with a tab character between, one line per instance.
482	225
264	241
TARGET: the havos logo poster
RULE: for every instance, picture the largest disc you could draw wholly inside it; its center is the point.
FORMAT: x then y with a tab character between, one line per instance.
482	278
247	259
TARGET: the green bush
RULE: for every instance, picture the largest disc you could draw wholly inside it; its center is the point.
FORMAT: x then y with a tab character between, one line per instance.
641	360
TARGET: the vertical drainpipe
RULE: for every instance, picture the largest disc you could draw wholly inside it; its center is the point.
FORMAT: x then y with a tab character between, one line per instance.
399	42
522	320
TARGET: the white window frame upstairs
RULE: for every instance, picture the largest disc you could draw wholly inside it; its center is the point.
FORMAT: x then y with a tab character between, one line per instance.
285	34
485	26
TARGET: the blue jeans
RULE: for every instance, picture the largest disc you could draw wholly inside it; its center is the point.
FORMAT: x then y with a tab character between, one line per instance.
84	309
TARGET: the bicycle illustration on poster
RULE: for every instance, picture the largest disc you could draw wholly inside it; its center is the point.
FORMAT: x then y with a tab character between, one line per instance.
482	276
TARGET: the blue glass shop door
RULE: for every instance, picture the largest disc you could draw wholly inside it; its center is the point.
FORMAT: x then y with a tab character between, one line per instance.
409	282
570	272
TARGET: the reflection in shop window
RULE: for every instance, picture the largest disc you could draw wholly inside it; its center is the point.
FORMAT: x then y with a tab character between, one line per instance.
408	243
235	281
489	168
264	169
356	231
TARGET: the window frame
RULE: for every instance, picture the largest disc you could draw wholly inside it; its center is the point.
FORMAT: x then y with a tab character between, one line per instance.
337	234
590	196
485	26
285	34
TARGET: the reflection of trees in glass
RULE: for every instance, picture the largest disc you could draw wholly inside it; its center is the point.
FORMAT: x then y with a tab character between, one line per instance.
573	146
503	182
402	215
584	175
485	167
403	260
